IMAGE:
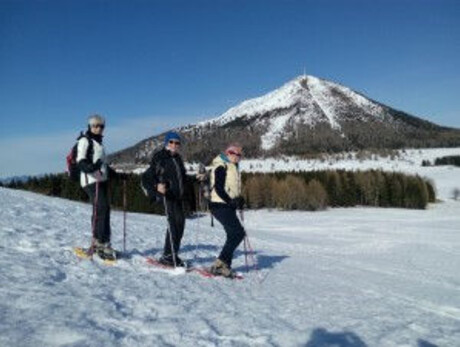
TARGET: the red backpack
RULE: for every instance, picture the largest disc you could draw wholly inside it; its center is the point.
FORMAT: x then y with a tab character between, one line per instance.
73	171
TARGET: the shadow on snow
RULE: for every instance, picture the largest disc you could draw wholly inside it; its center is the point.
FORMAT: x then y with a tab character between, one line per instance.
263	261
320	337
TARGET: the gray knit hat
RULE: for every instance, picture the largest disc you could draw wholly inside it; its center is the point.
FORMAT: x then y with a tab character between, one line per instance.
96	119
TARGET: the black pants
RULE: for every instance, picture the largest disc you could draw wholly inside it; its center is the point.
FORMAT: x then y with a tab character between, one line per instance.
233	228
101	210
176	224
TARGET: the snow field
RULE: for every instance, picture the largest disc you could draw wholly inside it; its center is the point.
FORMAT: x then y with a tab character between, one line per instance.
341	277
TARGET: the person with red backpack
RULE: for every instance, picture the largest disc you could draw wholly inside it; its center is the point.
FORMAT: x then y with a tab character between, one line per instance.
94	179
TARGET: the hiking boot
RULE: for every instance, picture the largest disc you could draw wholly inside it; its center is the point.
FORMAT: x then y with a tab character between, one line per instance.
104	250
167	260
219	268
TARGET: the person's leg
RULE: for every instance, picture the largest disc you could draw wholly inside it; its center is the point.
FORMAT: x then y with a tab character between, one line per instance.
234	230
169	211
179	225
103	230
100	220
176	223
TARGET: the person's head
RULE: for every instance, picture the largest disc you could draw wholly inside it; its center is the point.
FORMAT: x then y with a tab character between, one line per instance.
234	153
96	124
172	142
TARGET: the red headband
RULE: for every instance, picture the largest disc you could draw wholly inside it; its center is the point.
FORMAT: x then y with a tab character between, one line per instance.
233	148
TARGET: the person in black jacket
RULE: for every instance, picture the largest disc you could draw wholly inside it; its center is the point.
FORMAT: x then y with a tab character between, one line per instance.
165	180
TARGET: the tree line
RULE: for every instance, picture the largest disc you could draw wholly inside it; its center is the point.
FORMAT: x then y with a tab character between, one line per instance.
314	190
446	160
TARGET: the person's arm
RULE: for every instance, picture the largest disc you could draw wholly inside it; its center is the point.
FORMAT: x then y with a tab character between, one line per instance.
220	175
83	162
150	179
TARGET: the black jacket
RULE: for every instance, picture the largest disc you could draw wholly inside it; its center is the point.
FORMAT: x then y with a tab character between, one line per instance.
169	169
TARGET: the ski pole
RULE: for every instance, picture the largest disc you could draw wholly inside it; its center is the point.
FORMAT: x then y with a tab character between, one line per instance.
244	242
93	240
252	254
199	207
169	232
251	250
245	253
195	238
124	216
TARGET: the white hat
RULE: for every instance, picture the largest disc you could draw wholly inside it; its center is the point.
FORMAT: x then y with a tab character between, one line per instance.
96	119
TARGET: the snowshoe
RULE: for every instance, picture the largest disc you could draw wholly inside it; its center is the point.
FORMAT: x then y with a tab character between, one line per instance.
219	268
86	253
105	251
167	260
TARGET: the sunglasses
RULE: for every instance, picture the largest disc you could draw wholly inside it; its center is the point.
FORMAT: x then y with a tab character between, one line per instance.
234	153
177	143
102	126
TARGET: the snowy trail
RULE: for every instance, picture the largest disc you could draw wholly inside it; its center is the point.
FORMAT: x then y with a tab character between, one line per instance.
362	276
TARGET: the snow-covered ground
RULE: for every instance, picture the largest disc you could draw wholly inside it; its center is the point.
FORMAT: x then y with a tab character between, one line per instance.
342	277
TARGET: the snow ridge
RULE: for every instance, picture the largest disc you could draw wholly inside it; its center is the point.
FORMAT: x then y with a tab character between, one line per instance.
321	95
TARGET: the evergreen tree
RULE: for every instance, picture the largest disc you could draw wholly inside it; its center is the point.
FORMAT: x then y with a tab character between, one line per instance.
316	196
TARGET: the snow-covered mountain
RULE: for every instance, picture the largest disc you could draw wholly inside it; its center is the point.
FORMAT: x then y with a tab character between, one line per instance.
308	100
306	115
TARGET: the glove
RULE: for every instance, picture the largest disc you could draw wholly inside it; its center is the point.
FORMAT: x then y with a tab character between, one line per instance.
201	177
237	203
97	165
123	176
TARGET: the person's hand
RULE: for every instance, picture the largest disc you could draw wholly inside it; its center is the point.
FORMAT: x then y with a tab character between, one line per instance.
237	203
161	188
201	177
98	175
97	165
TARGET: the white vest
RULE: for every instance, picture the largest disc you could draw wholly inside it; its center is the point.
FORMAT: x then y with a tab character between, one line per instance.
232	179
98	153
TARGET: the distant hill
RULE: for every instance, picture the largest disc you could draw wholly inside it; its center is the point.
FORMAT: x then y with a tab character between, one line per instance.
23	178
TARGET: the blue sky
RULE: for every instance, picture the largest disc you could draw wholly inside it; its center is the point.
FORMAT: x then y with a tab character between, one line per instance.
151	65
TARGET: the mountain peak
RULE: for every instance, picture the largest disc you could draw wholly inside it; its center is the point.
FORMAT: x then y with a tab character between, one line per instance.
316	98
283	97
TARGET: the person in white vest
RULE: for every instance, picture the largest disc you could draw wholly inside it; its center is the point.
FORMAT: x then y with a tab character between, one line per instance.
225	200
94	176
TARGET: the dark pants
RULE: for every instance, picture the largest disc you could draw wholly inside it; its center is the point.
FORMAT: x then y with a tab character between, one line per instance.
101	210
233	228
176	224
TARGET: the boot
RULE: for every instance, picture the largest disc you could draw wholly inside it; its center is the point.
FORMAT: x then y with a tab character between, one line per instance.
219	268
167	260
104	250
